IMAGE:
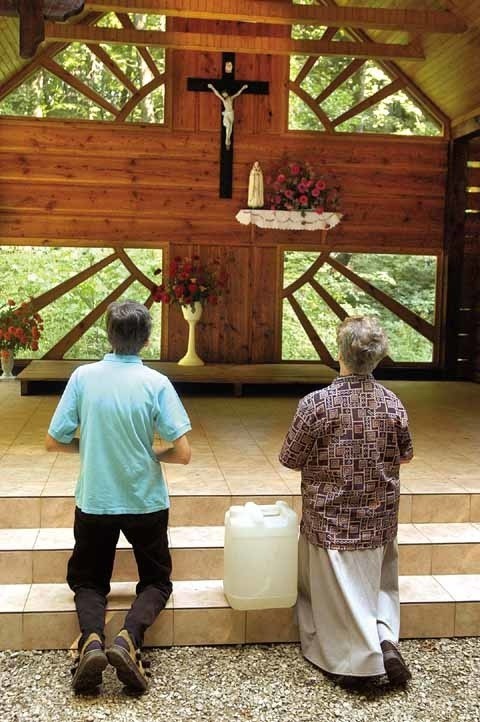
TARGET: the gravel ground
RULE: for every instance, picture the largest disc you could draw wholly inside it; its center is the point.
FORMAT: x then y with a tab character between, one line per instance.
250	684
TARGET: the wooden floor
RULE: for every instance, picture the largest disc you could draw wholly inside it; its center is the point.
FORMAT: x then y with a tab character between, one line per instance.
235	444
237	375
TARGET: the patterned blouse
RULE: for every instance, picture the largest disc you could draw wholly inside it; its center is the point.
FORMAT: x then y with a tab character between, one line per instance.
348	440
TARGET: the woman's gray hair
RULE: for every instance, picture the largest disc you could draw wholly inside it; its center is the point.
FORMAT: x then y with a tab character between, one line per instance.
362	343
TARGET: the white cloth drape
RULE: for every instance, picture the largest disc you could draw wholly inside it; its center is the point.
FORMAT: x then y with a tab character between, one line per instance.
289	220
348	603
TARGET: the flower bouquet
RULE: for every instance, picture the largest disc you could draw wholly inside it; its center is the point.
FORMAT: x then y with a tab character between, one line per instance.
189	282
20	327
297	187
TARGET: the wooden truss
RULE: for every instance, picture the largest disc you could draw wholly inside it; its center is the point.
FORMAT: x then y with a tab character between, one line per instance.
34	13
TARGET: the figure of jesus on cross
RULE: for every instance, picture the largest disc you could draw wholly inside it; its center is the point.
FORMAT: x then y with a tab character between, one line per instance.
228	113
227	89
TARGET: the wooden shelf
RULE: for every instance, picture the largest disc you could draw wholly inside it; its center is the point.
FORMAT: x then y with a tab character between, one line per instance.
236	374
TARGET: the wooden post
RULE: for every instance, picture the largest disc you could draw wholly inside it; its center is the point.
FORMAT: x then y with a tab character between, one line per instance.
454	250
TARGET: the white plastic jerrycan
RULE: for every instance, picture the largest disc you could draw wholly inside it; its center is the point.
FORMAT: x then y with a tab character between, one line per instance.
260	556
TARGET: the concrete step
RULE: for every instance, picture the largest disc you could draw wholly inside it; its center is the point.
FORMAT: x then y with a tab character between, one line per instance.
40	556
42	616
26	508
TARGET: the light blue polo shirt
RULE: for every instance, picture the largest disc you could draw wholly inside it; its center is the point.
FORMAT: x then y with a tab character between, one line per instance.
119	403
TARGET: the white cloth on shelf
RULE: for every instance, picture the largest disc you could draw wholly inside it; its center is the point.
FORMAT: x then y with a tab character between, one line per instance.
288	220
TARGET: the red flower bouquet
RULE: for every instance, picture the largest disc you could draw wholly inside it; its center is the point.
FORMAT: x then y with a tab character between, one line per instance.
20	327
297	187
189	281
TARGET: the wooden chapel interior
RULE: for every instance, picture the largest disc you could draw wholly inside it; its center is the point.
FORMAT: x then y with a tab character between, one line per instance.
119	185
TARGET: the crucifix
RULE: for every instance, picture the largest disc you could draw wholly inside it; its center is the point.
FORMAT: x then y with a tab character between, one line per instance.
227	89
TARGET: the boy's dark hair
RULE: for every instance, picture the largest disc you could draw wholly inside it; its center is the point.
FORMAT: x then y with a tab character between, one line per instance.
128	326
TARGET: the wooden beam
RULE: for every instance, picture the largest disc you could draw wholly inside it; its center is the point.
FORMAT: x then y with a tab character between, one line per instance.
53	67
329	300
32	31
403	313
346	73
21	75
306	275
468	129
61	9
52	9
65	343
456	203
127	23
8	7
134	270
263	45
389	89
467	123
283	13
393	68
50	296
105	58
313	105
32	14
309	329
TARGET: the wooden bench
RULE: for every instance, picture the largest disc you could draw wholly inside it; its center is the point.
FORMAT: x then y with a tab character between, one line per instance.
38	372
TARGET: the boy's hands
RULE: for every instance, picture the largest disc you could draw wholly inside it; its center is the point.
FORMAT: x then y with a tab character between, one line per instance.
52	444
178	453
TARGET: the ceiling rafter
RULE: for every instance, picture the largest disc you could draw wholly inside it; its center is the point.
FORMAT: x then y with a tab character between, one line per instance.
278	13
127	23
56	32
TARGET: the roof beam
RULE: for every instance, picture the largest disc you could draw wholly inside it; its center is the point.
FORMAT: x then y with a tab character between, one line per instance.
32	30
281	13
32	14
56	32
50	9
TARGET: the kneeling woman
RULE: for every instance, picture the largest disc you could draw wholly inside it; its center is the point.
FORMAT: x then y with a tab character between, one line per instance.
349	440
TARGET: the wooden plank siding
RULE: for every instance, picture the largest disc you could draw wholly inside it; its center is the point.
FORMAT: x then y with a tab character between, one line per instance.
119	185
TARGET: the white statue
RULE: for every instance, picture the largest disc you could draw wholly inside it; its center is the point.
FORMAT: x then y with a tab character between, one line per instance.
255	187
228	115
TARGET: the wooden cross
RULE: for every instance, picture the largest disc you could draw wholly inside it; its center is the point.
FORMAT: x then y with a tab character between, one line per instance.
227	83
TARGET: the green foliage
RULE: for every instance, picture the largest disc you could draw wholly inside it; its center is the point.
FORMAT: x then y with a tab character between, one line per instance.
396	114
410	280
44	95
27	272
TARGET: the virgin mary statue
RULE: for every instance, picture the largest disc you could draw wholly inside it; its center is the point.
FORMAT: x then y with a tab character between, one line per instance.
255	187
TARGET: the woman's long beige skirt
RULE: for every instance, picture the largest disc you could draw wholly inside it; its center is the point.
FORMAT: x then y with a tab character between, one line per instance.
348	603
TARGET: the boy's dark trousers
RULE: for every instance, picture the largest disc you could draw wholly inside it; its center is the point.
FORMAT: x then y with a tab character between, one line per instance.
91	564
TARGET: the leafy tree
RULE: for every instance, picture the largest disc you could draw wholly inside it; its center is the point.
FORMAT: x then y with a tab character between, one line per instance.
44	95
410	280
396	114
27	272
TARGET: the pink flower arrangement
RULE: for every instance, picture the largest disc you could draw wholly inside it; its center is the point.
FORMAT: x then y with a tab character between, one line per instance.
297	187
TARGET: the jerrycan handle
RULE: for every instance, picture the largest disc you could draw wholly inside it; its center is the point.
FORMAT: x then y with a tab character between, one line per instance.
280	508
255	512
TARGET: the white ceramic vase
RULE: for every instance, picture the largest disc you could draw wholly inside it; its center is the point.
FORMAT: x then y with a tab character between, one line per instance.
7	363
192	317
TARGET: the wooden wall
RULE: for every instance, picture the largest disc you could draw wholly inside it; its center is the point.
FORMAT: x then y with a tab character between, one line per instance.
82	183
462	347
471	273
